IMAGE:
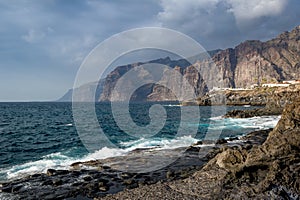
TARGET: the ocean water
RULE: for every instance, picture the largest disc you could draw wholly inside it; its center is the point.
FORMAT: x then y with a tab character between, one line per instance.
37	136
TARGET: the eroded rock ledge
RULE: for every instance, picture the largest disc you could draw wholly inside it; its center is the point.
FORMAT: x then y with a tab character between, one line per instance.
275	100
265	166
267	171
98	178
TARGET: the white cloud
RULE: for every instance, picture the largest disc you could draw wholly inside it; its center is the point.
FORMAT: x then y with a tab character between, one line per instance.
200	19
224	23
63	32
241	9
177	10
245	10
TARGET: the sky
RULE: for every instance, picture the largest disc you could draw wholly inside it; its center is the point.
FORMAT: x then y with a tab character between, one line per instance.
43	43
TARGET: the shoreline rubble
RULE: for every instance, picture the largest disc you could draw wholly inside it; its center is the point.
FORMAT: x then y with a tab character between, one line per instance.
96	178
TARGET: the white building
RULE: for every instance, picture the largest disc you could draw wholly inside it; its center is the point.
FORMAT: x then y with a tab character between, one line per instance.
292	82
276	85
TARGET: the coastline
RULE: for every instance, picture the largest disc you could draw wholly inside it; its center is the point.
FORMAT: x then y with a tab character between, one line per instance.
99	178
256	171
203	169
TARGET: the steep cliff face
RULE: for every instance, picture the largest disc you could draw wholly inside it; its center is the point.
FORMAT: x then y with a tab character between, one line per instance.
148	92
111	80
256	62
84	92
176	83
251	62
271	61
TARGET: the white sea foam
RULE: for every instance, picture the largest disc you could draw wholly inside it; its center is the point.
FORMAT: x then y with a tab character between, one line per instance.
173	105
155	144
56	160
160	143
105	152
217	118
61	161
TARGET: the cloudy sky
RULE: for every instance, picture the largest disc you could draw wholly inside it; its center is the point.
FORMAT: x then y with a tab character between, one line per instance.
42	43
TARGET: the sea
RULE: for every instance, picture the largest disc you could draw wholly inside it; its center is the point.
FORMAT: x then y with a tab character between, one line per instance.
36	136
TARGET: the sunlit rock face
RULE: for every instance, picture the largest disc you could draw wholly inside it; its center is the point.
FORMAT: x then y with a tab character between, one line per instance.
250	63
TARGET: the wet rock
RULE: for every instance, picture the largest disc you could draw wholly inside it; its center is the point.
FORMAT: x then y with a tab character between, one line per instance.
233	138
276	100
221	141
197	143
47	182
6	189
51	172
49	196
87	178
169	174
105	167
193	149
57	182
258	171
128	181
35	175
125	175
103	188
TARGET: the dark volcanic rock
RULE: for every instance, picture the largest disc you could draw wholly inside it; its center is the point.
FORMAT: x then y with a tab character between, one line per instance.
275	102
271	170
100	180
267	171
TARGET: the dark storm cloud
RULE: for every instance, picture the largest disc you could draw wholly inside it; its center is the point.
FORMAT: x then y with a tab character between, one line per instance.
225	23
44	42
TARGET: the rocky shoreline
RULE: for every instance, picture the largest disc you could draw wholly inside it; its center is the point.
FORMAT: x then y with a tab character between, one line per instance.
270	170
95	179
273	98
275	101
263	164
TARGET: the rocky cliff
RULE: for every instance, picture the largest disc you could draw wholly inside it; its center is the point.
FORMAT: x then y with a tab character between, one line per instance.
152	92
271	170
251	62
84	92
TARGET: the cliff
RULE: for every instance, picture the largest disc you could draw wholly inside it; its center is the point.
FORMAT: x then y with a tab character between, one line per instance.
251	62
85	91
153	92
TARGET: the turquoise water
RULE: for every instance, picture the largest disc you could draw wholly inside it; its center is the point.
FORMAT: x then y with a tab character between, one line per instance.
37	136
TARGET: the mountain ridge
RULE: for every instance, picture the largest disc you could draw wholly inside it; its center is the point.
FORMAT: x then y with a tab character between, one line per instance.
251	62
